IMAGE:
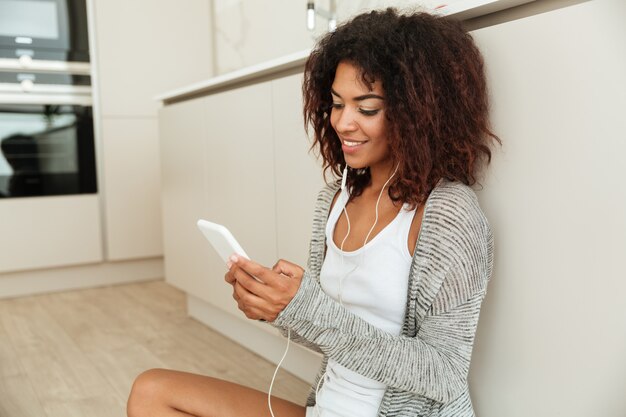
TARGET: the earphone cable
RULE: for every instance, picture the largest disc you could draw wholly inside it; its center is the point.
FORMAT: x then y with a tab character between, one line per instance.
377	202
317	389
269	394
342	261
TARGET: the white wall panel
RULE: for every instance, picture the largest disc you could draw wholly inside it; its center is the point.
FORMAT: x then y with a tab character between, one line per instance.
298	173
240	181
146	47
183	137
132	188
552	336
45	232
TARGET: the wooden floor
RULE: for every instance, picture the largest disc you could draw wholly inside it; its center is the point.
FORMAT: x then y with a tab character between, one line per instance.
76	353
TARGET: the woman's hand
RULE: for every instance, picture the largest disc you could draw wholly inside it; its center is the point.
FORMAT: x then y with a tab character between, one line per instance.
262	293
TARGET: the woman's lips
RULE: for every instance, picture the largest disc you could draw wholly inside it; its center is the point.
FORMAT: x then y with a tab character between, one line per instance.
351	146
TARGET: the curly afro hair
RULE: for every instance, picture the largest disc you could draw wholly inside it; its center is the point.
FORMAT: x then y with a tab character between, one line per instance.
436	99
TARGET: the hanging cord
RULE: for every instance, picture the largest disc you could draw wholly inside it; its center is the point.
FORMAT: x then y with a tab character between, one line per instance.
377	202
344	178
342	262
317	389
269	394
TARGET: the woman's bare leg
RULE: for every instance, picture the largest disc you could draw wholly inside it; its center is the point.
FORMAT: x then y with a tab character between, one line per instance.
165	393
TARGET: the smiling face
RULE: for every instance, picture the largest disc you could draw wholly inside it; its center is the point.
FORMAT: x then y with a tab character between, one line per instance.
358	117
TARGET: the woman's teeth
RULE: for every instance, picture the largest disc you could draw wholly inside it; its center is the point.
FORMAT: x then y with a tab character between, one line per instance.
348	143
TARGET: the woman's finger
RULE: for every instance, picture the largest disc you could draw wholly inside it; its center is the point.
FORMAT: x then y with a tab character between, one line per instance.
240	290
251	267
268	296
229	277
260	273
252	306
252	284
288	268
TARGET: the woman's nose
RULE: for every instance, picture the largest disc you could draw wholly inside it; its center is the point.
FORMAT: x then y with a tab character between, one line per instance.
345	121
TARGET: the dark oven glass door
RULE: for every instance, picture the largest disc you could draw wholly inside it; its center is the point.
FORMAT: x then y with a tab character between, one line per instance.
44	29
47	149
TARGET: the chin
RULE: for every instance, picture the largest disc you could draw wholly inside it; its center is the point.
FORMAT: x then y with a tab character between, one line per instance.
355	164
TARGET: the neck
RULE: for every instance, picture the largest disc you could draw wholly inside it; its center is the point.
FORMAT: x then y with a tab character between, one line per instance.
380	176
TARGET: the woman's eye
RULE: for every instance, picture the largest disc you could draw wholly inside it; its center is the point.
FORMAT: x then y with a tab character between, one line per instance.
369	112
365	112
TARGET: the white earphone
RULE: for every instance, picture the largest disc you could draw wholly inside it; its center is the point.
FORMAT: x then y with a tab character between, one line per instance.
344	177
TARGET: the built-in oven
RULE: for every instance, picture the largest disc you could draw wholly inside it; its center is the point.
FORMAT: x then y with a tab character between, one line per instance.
50	30
46	138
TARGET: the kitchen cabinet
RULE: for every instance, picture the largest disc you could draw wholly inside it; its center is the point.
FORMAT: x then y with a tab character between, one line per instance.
183	130
298	175
132	188
138	48
240	180
45	232
552	325
238	158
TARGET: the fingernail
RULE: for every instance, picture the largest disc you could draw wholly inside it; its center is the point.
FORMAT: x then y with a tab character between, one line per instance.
229	264
233	258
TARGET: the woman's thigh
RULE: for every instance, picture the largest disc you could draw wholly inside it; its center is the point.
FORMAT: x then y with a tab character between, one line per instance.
166	393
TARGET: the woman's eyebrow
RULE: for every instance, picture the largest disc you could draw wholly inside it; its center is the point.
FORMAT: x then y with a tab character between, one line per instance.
359	98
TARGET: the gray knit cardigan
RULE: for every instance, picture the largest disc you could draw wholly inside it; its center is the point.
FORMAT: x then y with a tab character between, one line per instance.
425	368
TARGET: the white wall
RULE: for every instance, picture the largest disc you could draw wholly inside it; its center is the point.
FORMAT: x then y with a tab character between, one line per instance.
552	335
250	31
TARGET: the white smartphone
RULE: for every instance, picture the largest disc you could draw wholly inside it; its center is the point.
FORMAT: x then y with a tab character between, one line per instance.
221	239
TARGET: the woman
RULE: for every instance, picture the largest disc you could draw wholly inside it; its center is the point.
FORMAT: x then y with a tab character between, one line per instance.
400	254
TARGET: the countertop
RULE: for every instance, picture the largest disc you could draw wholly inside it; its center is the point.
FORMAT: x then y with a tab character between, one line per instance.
245	75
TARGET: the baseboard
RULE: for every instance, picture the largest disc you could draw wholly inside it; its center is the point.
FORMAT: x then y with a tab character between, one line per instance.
16	284
270	345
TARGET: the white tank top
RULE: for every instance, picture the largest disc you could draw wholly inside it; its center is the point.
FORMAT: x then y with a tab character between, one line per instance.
373	280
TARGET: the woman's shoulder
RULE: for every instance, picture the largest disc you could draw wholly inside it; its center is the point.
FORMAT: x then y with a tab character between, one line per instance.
453	201
453	215
453	191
